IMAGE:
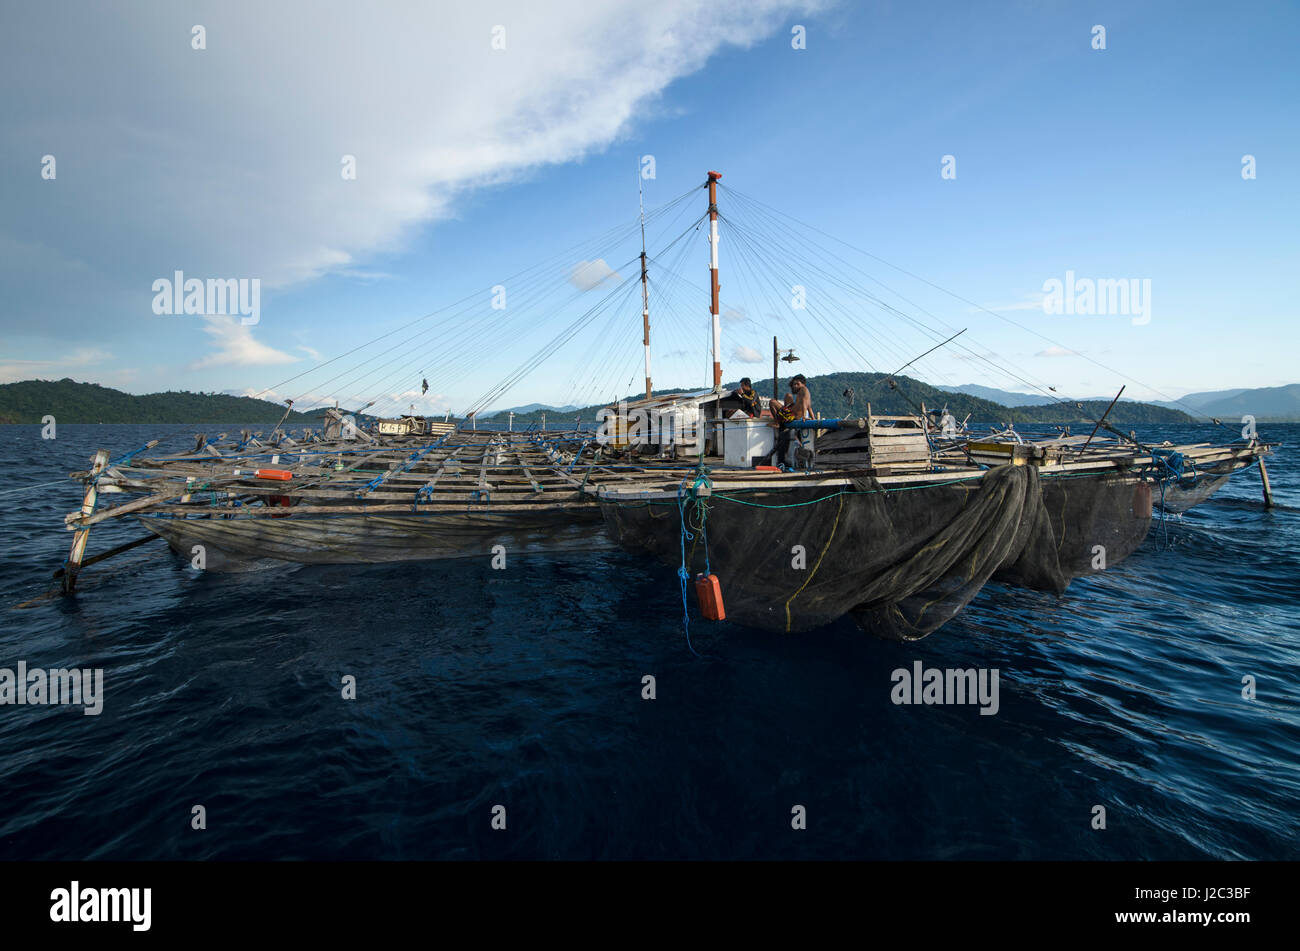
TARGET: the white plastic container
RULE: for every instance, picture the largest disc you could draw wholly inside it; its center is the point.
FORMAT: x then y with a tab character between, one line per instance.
743	439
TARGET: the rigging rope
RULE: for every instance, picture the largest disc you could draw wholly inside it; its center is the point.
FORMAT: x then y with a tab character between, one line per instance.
734	193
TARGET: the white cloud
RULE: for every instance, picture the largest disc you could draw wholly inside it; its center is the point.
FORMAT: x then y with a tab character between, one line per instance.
743	354
1055	351
393	403
236	347
589	274
302	402
16	370
227	162
365	276
734	315
399	402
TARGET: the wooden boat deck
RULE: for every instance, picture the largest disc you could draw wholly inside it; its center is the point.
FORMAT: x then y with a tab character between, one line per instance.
523	471
486	479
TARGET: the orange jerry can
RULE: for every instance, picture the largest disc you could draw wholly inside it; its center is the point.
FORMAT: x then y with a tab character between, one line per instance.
709	592
282	475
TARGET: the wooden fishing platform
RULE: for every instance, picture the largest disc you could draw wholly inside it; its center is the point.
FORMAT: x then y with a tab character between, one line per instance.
486	482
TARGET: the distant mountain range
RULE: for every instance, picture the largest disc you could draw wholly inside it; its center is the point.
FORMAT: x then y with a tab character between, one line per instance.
994	395
1266	404
1210	396
71	402
530	408
828	395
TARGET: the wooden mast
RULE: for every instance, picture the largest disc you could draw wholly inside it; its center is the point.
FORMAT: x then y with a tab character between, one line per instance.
645	290
713	275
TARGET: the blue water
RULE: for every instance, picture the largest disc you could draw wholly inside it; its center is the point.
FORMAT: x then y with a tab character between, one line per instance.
523	688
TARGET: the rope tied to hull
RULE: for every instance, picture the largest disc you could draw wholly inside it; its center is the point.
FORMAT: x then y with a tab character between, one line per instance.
698	520
1168	465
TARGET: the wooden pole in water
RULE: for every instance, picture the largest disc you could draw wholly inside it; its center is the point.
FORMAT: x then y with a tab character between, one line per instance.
1268	490
111	552
73	564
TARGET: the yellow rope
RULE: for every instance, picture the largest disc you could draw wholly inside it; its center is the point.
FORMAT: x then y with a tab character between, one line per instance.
827	548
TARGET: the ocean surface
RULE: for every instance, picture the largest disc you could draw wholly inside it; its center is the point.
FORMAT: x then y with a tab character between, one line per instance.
523	688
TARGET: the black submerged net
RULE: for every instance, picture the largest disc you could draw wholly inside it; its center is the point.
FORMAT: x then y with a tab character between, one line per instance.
901	560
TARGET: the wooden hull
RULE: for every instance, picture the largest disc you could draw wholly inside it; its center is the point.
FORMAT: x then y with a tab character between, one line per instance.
232	544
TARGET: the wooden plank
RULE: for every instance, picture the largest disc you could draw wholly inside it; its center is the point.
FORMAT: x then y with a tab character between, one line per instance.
537	487
488	452
404	508
81	522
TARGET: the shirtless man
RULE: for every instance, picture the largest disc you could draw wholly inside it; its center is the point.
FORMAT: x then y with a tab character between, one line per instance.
799	404
796	405
802	398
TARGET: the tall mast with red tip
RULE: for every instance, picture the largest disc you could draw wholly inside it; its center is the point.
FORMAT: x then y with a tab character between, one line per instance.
713	274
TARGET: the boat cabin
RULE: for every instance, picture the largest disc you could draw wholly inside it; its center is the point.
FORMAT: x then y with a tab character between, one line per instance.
415	426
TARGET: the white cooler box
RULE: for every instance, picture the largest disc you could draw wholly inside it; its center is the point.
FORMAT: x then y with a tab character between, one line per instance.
743	439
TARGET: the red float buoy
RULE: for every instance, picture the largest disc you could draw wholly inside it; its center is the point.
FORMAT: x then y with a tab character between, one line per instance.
709	592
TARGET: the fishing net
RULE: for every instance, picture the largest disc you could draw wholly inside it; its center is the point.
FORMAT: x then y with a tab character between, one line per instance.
901	560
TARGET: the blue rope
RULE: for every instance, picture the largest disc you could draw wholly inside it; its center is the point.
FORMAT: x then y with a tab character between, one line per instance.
578	455
702	510
683	574
1173	466
121	459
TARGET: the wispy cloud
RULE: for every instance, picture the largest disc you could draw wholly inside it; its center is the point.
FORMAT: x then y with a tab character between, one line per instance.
365	276
743	354
15	370
972	357
235	346
590	274
1055	351
402	401
188	130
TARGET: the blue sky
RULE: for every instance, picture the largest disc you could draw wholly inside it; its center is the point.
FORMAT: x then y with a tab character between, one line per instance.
476	163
